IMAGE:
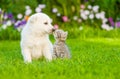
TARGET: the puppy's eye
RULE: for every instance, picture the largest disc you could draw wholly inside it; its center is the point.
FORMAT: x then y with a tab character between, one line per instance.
45	23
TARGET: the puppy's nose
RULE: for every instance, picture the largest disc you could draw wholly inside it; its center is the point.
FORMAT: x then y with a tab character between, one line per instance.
53	29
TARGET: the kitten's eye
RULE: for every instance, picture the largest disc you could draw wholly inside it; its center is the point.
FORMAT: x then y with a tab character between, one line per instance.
46	23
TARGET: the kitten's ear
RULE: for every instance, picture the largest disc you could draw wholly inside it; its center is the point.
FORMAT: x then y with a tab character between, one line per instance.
66	33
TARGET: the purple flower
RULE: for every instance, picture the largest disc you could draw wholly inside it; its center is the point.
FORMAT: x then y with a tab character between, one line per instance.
111	21
23	22
17	24
10	16
5	16
117	24
20	23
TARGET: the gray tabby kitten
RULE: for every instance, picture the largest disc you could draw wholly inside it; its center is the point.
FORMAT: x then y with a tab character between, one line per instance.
60	49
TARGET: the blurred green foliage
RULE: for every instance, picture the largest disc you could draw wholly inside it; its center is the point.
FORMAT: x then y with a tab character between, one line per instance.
17	6
111	7
68	8
75	32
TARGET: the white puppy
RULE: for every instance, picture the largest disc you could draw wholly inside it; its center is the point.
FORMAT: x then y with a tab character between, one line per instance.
35	38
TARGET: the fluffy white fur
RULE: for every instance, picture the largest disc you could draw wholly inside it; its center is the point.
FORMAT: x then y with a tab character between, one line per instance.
35	38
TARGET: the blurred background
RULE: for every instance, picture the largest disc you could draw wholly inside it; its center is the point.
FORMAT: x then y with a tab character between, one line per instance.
81	18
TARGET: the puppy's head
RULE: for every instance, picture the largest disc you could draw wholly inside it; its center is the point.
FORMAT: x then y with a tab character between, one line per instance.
41	22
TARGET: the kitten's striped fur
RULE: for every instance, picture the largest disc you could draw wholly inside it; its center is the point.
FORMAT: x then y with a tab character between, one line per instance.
60	49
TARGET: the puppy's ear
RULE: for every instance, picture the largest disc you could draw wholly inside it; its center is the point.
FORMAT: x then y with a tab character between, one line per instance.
33	19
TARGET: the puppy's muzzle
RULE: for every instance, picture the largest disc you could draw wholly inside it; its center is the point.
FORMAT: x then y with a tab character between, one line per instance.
53	29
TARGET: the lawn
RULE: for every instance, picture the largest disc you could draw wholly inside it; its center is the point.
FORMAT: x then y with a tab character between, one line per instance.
92	58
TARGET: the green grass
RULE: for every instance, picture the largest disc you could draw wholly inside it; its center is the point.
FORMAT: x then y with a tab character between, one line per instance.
92	58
